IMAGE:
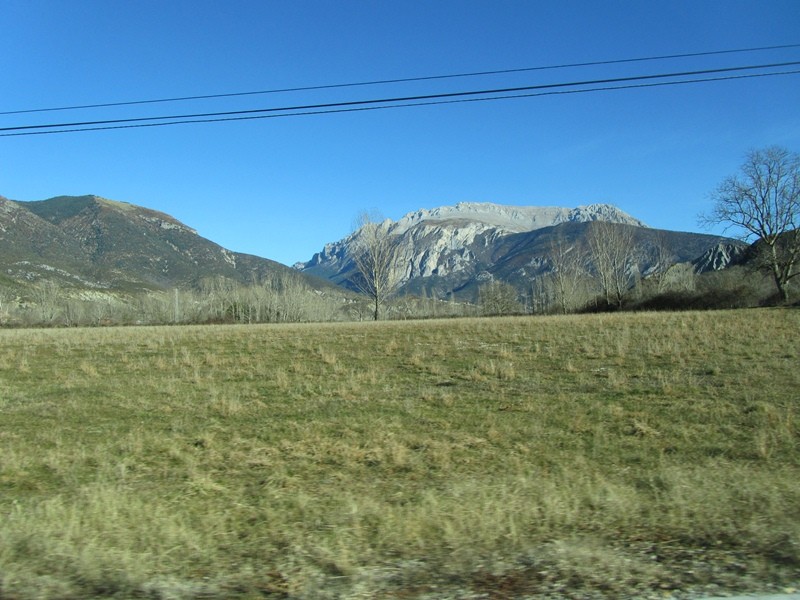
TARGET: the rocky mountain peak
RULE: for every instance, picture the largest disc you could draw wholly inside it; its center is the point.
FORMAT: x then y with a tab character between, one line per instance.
446	240
514	219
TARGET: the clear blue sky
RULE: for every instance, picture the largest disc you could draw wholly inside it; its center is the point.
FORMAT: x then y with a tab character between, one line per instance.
281	188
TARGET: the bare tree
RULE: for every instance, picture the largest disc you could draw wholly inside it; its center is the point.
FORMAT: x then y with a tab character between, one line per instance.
48	298
679	277
499	298
615	258
661	259
568	268
374	251
5	305
763	203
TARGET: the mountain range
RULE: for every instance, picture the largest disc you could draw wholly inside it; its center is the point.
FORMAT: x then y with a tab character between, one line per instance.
96	243
454	249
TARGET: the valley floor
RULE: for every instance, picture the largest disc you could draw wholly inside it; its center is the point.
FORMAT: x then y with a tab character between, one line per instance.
647	455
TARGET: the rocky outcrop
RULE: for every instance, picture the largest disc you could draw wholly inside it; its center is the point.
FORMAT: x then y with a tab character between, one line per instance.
515	219
719	256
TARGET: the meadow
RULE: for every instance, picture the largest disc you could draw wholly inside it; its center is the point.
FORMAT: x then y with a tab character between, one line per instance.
618	455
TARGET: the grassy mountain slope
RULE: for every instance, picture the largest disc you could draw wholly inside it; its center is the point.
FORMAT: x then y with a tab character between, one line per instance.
94	242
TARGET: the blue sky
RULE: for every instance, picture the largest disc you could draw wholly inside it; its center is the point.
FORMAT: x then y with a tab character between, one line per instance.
281	188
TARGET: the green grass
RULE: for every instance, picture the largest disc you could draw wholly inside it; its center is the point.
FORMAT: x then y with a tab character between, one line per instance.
613	455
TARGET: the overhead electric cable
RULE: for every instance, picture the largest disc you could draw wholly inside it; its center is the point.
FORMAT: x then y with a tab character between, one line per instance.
404	80
405	105
351	103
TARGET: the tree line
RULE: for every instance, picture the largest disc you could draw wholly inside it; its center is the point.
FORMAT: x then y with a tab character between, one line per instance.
277	298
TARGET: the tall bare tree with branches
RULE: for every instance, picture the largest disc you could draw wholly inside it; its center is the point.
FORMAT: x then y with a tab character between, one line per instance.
763	203
568	270
615	258
374	251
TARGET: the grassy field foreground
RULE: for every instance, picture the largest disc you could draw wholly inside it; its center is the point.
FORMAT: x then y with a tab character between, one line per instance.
607	455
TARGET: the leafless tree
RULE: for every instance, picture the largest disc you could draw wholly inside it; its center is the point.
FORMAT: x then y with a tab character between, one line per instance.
374	251
499	298
679	277
762	202
5	305
614	257
48	298
568	270
661	260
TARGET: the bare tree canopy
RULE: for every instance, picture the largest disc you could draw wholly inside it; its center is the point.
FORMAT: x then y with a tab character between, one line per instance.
615	258
568	271
499	298
374	251
762	202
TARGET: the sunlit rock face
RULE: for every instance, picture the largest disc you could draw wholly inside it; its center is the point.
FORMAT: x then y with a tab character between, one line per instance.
450	251
452	239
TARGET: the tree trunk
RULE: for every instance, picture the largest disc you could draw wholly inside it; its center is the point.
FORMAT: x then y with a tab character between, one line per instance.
780	281
781	284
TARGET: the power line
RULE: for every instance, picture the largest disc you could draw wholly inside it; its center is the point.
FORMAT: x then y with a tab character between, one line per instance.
404	80
407	105
333	105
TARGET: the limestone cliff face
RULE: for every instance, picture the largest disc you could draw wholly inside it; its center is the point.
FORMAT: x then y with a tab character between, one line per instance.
452	240
515	219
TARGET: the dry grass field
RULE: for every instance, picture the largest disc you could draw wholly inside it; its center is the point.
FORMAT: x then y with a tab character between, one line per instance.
625	455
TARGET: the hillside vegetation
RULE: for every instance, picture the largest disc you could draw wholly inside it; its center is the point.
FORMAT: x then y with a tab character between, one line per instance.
612	455
89	243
